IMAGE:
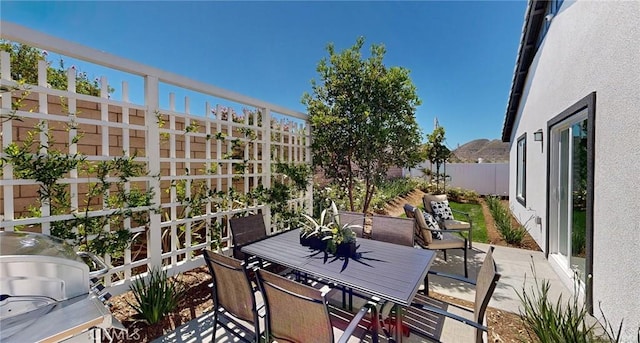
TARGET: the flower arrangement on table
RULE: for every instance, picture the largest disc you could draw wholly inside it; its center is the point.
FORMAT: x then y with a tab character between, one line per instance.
326	233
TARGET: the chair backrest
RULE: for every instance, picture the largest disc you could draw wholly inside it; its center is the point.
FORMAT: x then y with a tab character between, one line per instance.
355	218
245	230
295	312
428	198
392	229
485	285
421	228
231	286
408	210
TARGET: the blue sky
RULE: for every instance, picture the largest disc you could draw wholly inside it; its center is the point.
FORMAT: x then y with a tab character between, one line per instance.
461	54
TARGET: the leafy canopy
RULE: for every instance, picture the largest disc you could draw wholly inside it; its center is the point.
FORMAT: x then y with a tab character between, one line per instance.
437	152
362	117
24	67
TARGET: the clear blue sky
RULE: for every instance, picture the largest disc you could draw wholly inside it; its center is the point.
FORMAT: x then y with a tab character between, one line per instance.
461	54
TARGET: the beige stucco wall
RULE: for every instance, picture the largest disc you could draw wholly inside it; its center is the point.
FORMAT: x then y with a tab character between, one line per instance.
592	46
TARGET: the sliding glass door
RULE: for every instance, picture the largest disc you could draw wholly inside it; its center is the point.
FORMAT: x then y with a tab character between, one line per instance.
568	193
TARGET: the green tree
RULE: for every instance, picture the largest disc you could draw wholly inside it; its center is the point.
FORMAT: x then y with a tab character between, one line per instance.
437	153
362	117
24	68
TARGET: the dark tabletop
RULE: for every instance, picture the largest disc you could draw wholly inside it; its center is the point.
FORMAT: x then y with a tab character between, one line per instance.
389	271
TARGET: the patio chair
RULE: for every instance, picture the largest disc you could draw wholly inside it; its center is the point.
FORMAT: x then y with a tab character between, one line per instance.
354	218
408	210
442	321
232	292
246	230
424	238
392	229
299	313
450	224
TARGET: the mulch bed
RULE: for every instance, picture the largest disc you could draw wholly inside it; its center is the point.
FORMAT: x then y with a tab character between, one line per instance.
196	301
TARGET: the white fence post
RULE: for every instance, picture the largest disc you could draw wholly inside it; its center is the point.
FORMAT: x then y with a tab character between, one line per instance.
152	148
266	162
7	138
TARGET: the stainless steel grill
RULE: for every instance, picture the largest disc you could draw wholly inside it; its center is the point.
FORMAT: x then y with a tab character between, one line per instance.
48	294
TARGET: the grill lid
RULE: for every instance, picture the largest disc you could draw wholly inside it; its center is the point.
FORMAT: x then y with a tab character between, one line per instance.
29	243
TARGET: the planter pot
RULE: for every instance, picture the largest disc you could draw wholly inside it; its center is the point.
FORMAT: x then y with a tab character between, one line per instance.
317	243
346	249
305	241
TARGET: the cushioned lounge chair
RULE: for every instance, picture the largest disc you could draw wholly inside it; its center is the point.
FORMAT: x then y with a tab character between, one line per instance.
450	224
424	237
408	210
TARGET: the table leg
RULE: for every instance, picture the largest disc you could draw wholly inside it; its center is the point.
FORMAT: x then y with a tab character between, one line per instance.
398	328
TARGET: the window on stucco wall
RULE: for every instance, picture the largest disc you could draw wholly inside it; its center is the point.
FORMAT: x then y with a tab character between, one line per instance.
553	7
521	170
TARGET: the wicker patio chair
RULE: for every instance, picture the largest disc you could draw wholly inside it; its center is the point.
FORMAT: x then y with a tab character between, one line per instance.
424	237
443	322
299	313
232	292
450	224
392	229
354	218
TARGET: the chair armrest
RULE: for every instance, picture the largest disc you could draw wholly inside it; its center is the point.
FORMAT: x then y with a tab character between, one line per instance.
453	276
449	230
449	315
466	214
356	320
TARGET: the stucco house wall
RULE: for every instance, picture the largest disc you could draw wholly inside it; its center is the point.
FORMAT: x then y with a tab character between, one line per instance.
591	46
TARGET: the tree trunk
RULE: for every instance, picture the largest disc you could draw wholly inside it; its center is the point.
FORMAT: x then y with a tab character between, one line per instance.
350	182
370	189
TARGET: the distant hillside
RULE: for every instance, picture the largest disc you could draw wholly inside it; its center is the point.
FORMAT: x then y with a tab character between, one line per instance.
489	151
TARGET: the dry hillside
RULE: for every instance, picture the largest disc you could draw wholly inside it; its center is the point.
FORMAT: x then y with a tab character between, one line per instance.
489	150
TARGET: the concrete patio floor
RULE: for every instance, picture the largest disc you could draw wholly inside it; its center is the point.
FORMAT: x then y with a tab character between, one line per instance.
513	264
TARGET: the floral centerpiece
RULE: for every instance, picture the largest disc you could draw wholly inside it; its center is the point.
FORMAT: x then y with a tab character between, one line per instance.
327	233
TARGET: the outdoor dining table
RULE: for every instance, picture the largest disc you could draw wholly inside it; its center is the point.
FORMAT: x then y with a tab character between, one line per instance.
388	271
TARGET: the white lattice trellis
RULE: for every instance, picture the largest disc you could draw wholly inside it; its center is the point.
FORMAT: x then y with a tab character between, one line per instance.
182	151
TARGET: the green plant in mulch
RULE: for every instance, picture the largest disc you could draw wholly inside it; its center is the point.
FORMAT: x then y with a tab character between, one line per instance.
156	296
552	322
502	216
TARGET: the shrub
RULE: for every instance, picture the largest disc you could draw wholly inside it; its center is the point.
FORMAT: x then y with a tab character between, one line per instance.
548	322
458	194
502	217
386	192
156	296
428	187
471	196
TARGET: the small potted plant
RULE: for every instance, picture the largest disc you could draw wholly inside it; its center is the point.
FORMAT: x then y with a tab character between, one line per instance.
326	233
312	233
342	241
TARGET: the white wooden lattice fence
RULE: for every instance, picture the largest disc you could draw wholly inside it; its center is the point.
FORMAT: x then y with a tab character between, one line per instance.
216	147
